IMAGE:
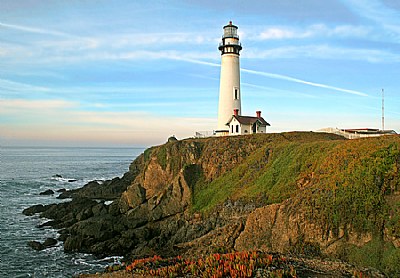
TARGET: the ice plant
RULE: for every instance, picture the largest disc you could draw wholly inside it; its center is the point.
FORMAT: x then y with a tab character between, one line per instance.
236	265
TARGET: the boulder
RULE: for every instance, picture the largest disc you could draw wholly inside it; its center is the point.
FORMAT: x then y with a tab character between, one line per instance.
36	245
134	196
107	190
89	235
47	192
33	210
49	242
51	223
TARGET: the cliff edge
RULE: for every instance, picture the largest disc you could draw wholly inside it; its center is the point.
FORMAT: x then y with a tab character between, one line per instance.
300	193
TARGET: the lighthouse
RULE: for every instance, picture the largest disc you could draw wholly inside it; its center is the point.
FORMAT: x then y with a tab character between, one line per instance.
229	89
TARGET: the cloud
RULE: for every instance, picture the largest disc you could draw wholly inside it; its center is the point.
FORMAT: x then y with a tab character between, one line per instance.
279	33
57	120
284	77
316	30
122	42
300	81
274	92
378	12
21	105
157	39
11	86
324	52
193	61
34	30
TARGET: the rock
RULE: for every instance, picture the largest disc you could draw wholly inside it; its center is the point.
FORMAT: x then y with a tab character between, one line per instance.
84	214
259	230
99	209
61	190
51	223
72	180
57	176
114	209
49	242
47	192
172	201
36	245
90	235
77	208
33	210
134	196
107	190
64	234
137	217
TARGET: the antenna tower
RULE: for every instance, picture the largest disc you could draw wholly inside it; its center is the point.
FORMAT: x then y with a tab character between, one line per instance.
383	110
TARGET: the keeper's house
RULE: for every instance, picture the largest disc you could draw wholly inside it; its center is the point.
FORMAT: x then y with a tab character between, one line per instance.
241	125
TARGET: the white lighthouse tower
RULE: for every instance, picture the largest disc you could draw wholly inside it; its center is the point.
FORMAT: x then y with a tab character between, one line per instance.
229	90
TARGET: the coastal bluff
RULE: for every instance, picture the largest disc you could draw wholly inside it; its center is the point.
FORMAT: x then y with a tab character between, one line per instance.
299	193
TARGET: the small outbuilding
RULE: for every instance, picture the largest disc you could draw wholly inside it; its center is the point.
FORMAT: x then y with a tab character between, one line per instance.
241	125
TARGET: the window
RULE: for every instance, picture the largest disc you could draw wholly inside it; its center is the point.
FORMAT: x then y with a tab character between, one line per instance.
232	128
237	128
236	93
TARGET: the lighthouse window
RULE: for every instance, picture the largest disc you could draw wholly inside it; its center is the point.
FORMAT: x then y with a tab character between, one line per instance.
237	128
236	93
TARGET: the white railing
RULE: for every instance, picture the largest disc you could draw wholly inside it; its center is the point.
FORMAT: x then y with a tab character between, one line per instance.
351	135
204	134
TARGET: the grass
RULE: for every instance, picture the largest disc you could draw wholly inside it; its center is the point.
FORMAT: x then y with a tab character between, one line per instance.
272	170
378	254
345	185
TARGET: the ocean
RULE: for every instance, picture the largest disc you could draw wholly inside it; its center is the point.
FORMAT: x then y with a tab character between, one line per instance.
27	171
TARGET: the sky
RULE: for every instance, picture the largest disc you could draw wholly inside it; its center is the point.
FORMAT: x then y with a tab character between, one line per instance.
133	73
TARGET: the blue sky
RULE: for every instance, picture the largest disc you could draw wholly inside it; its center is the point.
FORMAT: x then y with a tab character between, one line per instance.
133	73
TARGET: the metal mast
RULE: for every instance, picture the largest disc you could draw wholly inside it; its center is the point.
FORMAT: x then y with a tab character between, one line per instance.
383	110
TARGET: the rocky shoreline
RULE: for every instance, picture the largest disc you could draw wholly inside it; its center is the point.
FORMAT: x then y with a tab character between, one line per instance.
150	210
91	210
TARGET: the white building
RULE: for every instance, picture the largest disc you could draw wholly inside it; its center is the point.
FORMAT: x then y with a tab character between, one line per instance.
241	125
229	89
230	93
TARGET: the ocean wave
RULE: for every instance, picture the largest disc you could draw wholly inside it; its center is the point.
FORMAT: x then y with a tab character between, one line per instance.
62	179
23	178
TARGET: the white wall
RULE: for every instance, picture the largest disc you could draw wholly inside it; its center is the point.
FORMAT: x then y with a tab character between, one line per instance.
229	80
261	129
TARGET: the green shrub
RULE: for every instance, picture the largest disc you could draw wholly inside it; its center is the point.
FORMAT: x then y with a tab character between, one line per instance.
162	157
378	254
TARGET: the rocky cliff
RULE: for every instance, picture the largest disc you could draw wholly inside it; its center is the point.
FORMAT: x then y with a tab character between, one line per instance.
310	194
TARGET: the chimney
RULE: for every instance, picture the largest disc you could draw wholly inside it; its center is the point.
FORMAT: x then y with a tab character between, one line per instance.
258	114
235	112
